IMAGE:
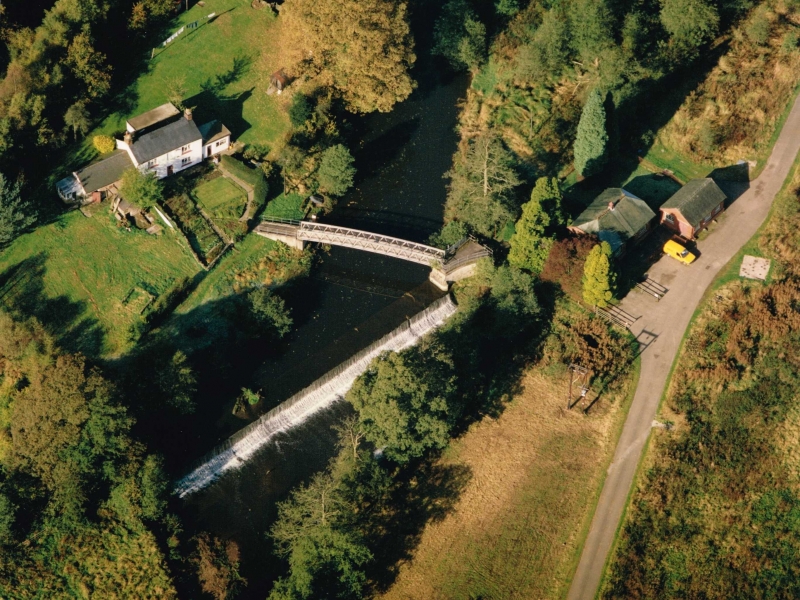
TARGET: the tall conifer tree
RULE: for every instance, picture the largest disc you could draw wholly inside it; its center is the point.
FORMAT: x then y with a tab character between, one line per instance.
591	142
599	279
531	243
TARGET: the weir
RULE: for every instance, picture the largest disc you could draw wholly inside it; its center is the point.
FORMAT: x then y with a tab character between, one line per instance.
321	394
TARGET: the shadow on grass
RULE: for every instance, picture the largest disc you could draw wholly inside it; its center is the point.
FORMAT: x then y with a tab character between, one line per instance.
22	294
211	104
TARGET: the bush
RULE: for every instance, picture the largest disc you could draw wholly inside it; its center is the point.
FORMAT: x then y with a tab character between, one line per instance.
757	28
104	144
300	110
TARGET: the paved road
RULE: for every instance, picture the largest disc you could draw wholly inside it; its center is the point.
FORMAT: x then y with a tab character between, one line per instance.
662	325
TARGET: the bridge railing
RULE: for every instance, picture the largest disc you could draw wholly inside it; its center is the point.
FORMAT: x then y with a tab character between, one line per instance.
280	220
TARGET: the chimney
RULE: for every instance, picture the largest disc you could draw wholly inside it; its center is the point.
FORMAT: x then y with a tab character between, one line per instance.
128	138
610	206
187	112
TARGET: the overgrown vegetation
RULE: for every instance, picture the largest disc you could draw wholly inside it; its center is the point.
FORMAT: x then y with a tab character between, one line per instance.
205	242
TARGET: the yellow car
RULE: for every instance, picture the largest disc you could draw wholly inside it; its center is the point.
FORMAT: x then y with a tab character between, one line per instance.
678	252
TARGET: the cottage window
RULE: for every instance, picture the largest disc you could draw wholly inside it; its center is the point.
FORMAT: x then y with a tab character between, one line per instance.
219	143
185	161
152	163
669	217
185	149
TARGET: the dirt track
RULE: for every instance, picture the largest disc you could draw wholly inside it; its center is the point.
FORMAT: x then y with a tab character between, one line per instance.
660	327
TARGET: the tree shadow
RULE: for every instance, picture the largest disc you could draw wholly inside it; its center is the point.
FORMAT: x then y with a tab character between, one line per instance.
22	294
424	493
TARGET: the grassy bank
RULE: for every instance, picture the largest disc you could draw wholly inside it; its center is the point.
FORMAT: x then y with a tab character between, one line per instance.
221	69
519	526
78	276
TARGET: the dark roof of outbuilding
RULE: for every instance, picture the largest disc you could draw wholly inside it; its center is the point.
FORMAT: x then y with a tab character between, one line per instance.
629	216
151	117
165	139
213	131
696	200
104	172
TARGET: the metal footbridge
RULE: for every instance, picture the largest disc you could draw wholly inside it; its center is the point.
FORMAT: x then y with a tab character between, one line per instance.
444	263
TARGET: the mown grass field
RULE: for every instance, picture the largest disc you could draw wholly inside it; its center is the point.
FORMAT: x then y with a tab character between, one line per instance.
518	527
223	65
74	275
221	198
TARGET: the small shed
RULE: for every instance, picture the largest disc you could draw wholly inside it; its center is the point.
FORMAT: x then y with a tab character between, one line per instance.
693	207
278	81
616	216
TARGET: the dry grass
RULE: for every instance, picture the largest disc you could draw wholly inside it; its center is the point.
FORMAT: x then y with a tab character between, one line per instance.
519	524
734	113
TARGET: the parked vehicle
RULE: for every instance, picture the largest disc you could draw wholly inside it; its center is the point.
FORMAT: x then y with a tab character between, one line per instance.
678	252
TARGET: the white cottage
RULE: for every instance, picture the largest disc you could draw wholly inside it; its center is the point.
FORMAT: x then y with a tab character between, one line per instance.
162	141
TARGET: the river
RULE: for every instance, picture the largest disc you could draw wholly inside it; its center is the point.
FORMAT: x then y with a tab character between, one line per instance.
350	299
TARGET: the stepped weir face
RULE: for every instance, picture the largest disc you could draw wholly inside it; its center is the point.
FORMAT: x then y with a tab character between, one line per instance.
326	390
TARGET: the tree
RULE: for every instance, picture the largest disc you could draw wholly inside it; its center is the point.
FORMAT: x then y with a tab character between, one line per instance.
7	510
691	23
533	237
15	214
336	171
451	232
89	66
269	312
482	182
300	110
326	554
406	402
599	278
564	265
176	91
460	36
77	117
361	48
141	189
104	143
65	427
176	382
592	139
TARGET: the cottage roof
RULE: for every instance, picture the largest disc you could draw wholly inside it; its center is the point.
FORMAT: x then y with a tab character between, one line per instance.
165	139
105	172
213	131
628	217
151	117
696	200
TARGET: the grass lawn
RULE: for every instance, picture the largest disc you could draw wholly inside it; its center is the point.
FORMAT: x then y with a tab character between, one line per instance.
222	198
87	280
519	525
224	65
683	168
285	207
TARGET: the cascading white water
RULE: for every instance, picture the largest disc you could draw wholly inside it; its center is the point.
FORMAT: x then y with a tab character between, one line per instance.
326	390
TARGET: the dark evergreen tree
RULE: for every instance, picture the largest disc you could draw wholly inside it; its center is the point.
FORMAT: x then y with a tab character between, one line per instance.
591	141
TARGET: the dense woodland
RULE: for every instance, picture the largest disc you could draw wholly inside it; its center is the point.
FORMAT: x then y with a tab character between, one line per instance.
84	505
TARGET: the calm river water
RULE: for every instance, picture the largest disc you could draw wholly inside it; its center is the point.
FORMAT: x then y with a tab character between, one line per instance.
350	300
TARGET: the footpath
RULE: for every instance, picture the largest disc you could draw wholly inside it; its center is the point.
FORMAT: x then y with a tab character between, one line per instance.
660	330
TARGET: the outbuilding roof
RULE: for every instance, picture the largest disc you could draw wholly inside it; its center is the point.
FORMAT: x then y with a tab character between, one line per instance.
165	139
615	216
696	200
105	172
151	117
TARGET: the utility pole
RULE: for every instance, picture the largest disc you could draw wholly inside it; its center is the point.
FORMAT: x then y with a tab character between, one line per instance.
578	376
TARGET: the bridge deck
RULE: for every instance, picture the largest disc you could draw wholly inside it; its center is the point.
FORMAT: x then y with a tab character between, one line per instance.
467	251
371	242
